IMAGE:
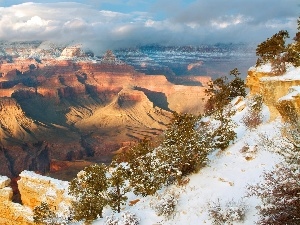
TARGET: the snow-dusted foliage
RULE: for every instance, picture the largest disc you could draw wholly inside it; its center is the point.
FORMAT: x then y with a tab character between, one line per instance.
146	173
118	187
280	189
285	142
274	50
228	213
222	90
223	133
165	204
90	191
44	215
254	116
279	194
127	218
183	150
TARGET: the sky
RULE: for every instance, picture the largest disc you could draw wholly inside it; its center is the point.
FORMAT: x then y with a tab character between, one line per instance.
111	24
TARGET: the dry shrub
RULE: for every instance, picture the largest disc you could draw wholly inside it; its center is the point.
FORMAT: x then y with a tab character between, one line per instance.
279	194
228	213
165	204
254	115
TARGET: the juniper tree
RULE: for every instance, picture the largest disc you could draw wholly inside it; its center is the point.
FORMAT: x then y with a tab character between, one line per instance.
222	90
89	189
274	51
182	150
224	132
146	173
271	48
117	187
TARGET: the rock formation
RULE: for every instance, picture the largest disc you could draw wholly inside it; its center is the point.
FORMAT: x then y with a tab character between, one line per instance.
275	89
12	213
34	189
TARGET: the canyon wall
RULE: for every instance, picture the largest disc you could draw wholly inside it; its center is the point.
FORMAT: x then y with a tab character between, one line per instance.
63	109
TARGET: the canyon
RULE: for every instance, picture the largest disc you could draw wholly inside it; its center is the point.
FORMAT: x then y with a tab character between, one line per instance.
77	109
35	188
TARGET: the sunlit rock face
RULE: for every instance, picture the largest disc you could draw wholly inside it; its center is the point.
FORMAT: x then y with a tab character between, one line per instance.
274	89
34	189
12	213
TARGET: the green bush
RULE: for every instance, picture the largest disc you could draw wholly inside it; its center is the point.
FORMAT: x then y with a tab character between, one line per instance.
117	187
221	91
43	214
165	204
146	174
287	111
183	150
90	191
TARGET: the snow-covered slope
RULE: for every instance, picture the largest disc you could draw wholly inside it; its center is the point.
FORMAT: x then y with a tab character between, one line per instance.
224	179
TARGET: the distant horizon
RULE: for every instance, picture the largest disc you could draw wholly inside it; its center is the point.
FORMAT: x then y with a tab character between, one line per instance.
117	24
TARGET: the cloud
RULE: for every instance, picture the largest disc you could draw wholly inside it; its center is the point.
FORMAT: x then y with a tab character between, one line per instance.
186	22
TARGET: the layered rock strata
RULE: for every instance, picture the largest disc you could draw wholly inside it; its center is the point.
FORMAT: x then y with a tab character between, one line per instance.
64	109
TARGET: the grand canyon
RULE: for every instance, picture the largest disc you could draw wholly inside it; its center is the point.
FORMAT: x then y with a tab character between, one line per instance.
61	113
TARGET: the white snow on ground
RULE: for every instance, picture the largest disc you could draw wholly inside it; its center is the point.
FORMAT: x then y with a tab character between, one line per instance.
263	68
225	178
292	73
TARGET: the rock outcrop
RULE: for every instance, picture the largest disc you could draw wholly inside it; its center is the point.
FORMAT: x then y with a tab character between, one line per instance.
275	88
34	189
12	213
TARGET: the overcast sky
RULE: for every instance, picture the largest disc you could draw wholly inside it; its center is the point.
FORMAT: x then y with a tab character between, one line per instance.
110	24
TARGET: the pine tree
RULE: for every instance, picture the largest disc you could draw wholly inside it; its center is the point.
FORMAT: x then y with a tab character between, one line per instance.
182	150
117	187
89	189
272	47
147	174
221	91
224	134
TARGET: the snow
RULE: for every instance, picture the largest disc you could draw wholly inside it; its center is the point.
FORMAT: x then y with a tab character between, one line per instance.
292	73
293	92
224	179
266	68
59	184
4	181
